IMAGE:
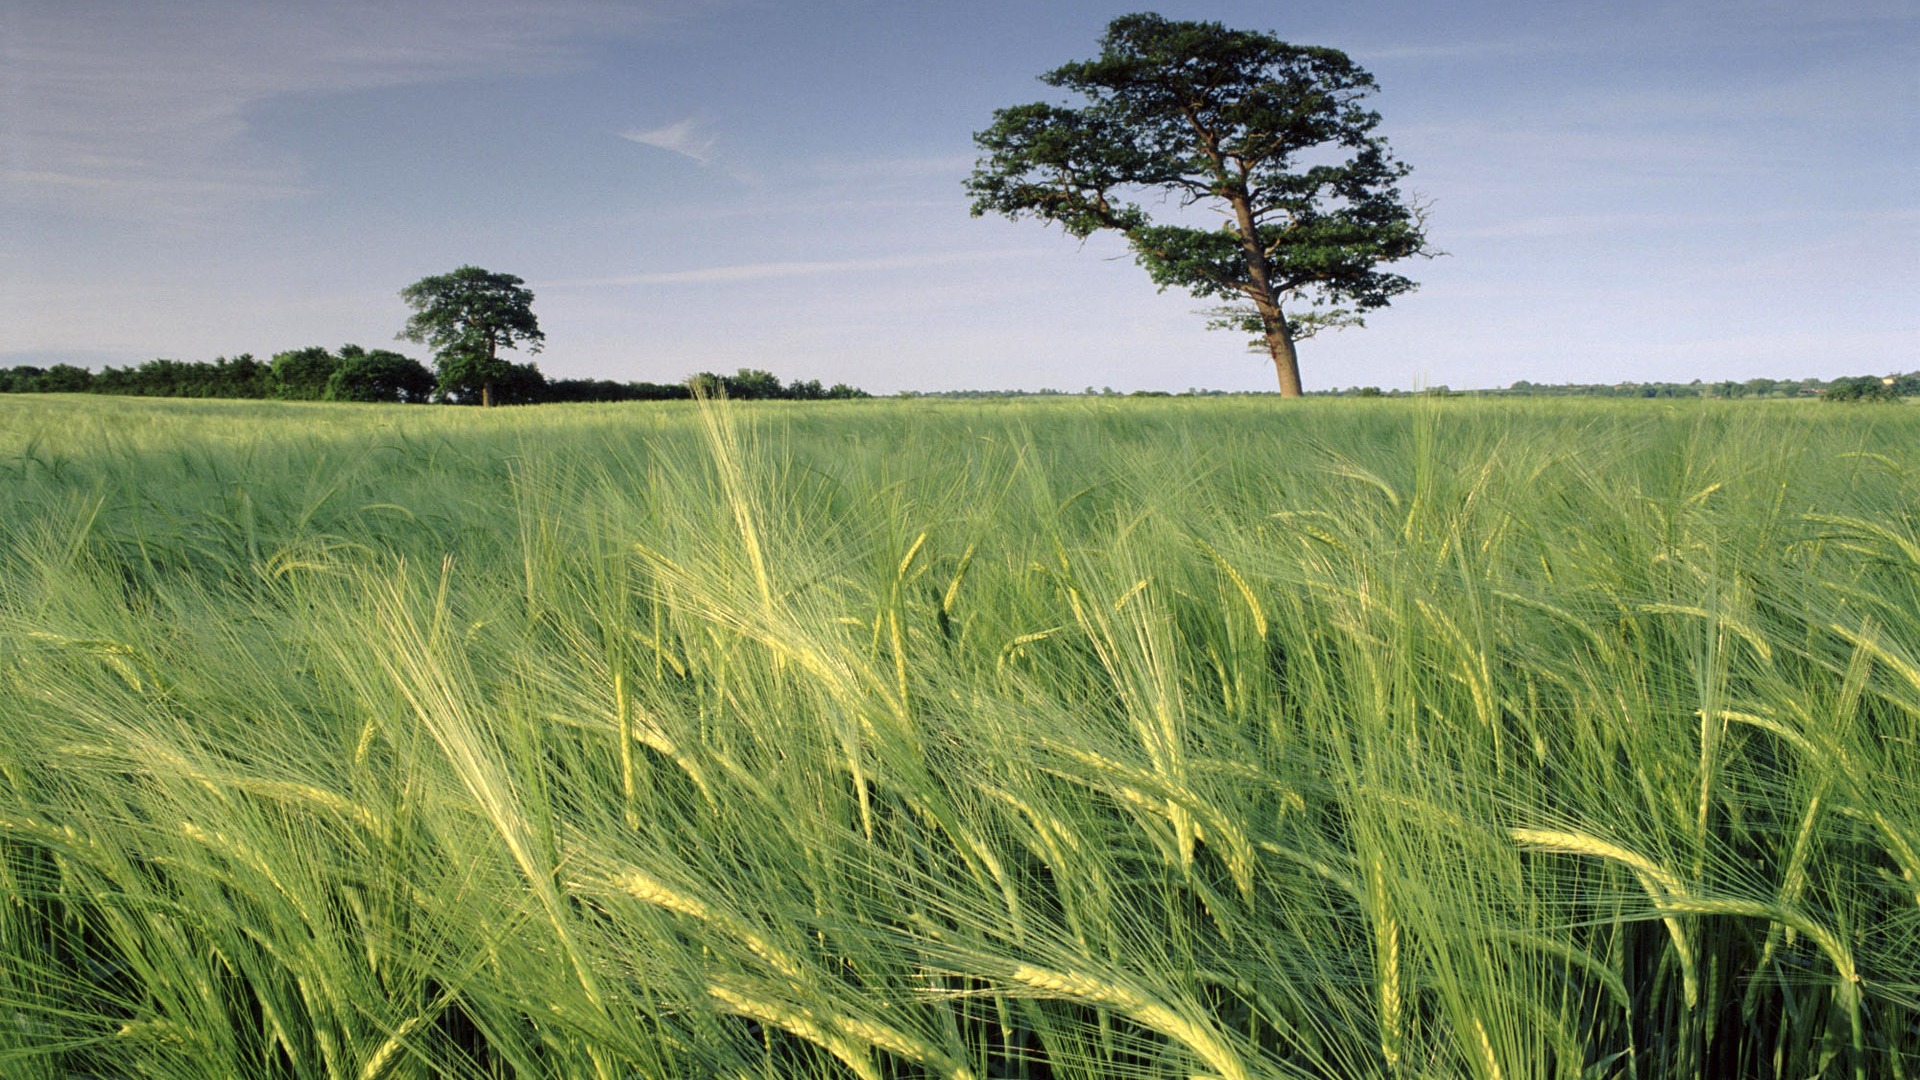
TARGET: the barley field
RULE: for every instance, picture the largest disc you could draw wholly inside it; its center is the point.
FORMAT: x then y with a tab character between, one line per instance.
885	740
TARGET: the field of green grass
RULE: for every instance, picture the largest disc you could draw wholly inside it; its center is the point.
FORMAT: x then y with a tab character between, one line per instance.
1084	739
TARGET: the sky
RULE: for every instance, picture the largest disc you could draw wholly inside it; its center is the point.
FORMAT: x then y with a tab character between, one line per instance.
1631	191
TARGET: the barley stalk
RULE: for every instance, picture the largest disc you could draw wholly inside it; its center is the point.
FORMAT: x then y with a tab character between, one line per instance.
1135	1006
1658	883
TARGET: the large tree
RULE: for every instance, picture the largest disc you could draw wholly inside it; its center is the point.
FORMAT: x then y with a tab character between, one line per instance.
467	317
1274	137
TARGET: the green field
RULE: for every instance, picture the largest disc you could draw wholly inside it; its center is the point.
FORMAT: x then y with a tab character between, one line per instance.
1084	738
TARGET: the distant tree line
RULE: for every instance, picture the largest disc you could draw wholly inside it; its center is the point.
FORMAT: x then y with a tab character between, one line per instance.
1845	388
310	374
746	384
355	374
468	316
1870	388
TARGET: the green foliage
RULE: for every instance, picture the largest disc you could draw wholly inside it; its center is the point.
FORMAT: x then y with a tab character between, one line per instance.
592	390
1860	388
1274	137
309	374
239	377
467	316
303	374
752	384
355	374
379	375
468	379
1906	385
58	379
1067	738
65	379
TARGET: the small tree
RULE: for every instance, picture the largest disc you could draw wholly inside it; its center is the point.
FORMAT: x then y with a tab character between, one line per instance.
467	317
1272	136
807	390
507	384
1860	388
379	375
65	379
302	374
240	377
752	384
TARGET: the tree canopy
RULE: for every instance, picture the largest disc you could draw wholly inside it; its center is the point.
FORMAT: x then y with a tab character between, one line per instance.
468	316
1273	137
378	375
303	374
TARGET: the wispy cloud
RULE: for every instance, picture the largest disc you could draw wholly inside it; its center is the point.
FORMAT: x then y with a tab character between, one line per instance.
1677	223
870	171
689	138
1464	51
130	107
772	271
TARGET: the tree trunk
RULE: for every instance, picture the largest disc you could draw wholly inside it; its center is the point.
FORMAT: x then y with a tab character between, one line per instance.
486	385
1266	299
1286	361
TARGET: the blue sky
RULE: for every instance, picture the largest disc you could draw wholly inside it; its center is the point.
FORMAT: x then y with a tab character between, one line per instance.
1630	191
